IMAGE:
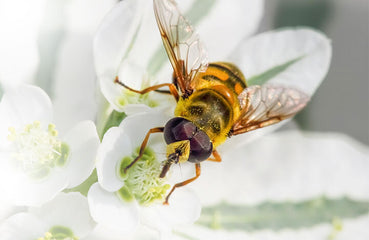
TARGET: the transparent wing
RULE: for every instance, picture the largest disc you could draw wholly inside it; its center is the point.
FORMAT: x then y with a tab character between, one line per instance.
262	106
186	52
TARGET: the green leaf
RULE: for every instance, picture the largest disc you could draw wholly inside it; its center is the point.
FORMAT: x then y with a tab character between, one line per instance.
184	235
114	119
277	216
85	186
270	73
198	10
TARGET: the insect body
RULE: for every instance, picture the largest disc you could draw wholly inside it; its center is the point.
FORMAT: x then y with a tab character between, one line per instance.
213	100
214	106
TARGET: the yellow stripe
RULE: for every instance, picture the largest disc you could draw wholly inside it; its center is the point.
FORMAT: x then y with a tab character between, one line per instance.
217	73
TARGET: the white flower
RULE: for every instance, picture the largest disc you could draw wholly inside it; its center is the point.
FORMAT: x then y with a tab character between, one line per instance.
8	209
19	30
36	161
74	73
65	217
315	178
128	44
289	166
122	200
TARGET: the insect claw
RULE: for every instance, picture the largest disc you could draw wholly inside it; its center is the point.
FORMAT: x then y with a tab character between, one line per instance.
166	202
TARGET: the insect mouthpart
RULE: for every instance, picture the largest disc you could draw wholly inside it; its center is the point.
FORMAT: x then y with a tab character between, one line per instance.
172	158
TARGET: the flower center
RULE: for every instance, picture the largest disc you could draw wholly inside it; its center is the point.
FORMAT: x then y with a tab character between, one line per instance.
37	151
142	180
59	233
129	97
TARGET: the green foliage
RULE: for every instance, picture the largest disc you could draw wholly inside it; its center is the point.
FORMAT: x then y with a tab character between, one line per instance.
270	73
114	119
277	216
85	186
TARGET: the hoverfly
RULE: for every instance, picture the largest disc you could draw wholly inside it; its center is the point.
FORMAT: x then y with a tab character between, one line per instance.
213	99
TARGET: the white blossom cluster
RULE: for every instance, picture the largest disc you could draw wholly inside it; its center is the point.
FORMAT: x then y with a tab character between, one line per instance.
64	148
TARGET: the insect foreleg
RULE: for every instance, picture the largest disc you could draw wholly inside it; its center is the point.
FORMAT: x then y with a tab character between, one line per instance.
216	157
172	88
181	184
143	145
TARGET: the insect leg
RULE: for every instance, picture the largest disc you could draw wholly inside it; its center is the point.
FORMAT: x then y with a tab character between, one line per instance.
217	157
172	88
143	145
181	184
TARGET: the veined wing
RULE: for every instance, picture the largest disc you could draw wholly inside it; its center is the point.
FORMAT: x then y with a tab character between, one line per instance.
264	105
186	52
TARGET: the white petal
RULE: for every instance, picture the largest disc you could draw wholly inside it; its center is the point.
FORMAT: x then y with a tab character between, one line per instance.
74	83
184	208
23	105
67	210
241	140
226	24
83	142
107	209
111	91
115	145
19	189
287	166
210	19
355	227
7	210
131	109
19	34
133	76
104	232
138	125
86	21
114	36
270	49
22	226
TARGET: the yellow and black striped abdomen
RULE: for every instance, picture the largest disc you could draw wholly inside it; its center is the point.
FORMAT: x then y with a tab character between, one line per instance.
222	73
213	106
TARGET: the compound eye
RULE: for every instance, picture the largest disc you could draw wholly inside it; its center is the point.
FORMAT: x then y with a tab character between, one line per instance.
178	129
201	147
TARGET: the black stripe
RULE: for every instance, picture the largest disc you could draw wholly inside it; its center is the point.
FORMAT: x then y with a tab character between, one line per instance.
233	78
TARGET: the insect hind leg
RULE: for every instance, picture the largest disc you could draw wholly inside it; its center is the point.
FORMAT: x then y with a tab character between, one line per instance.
172	88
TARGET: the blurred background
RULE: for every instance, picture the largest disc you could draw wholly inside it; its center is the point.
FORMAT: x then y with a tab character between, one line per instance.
341	103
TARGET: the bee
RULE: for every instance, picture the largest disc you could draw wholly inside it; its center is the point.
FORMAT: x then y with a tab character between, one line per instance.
213	100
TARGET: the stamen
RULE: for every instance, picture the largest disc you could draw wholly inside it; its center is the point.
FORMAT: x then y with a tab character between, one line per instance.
36	150
58	233
129	97
142	179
